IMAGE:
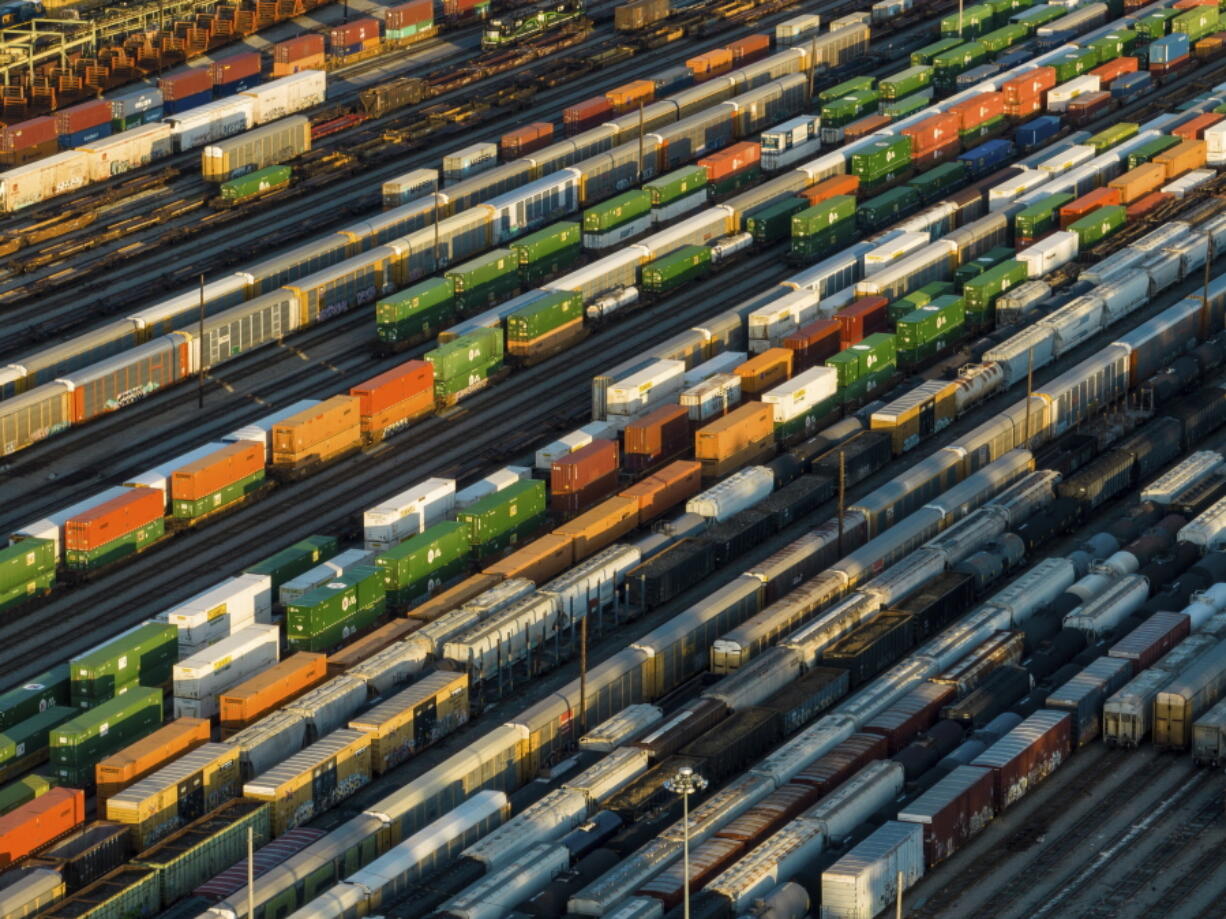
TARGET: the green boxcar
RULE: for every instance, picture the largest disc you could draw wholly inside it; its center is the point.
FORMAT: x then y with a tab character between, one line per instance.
33	736
256	183
24	561
675	185
1196	22
907	105
812	246
1116	134
886	208
465	361
611	214
116	549
77	745
554	309
906	82
484	280
1098	225
143	656
1151	148
970	23
499	520
417	312
548	251
128	892
948	64
671	271
823	215
1037	219
881	158
998	40
298	559
189	510
854	85
931	329
934	183
1074	64
773	221
37	694
917	298
416	567
1037	16
982	263
321	619
23	791
980	293
925	55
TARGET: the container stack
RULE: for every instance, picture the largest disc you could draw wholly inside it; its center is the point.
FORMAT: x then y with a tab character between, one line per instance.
823	228
185	90
744	436
114	529
408	513
505	518
541	255
656	438
323	618
733	168
318	434
465	364
549	323
349	41
199	679
580	479
306	52
79	744
412	570
409	22
620	218
128	766
216	481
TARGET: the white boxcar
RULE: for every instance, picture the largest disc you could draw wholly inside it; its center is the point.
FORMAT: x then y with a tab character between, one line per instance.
278	98
712	398
865	881
119	153
58	174
211	122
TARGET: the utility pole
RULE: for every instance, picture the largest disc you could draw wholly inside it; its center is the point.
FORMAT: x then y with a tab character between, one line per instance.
812	64
582	677
898	901
842	494
250	872
640	177
1029	388
437	212
200	350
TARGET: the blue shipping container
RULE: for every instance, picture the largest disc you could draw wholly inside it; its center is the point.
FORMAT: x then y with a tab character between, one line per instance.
178	106
977	75
987	157
1169	48
674	78
1132	85
236	86
84	136
1037	131
1011	59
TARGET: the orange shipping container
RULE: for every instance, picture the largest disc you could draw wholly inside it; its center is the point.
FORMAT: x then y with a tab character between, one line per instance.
750	47
1139	182
625	98
396	396
38	822
115	518
353	654
602	526
336	417
242	704
673	484
540	560
1195	129
149	754
830	188
214	472
738	157
1188	4
765	370
289	68
743	427
1187	156
711	63
865	126
1091	201
1028	85
1113	70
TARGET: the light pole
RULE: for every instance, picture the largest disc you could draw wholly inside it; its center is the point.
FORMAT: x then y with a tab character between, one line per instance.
685	783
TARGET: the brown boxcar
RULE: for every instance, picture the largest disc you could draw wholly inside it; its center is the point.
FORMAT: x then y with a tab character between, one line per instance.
39	822
952	811
540	560
1151	639
1026	755
638	14
248	701
395	398
586	114
916	711
828	772
666	488
602	526
147	755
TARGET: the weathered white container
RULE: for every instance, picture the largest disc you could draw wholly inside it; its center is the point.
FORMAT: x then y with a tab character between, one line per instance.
857	799
779	858
1075	322
492	484
496	894
627	725
1059	97
803	392
1186	183
648	388
592	585
278	98
1067	159
739	491
713	397
772	323
200	678
273	738
127	150
469	161
558	812
1208	529
889	253
408	513
211	122
791	142
1002	195
1102	614
215	613
1049	253
563	446
1034	347
409	187
330	706
797	29
724	362
865	881
610	775
1214	137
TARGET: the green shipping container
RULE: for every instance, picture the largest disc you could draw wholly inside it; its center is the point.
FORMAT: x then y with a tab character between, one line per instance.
982	132
846	366
255	183
457	359
33	735
878	356
23	791
734	183
671	271
611	214
1037	16
973	21
925	55
78	745
881	157
298	559
422	310
1151	148
812	246
1006	8
543	244
1098	225
1155	25
554	309
416	567
823	215
1074	64
980	293
37	694
978	266
113	551
1116	134
485	279
1197	22
930	329
854	85
948	64
998	40
906	82
40	584
935	182
770	222
1114	44
497	520
1037	219
907	105
323	618
917	298
23	561
675	185
237	491
143	656
886	208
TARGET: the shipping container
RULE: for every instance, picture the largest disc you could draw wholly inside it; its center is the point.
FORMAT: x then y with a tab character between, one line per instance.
78	745
33	825
243	704
116	772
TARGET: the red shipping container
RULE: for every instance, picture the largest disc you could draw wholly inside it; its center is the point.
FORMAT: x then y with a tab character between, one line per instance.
186	83
1114	69
115	518
975	111
865	126
1171	67
916	711
588	464
1087	106
1188	4
1092	201
30	133
1152	639
933	132
576	502
410	14
813	343
1028	85
749	48
586	114
960	815
236	67
1024	107
211	473
296	49
864	317
1148	203
459	7
526	139
736	158
354	33
660	435
81	117
1195	129
38	822
830	188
